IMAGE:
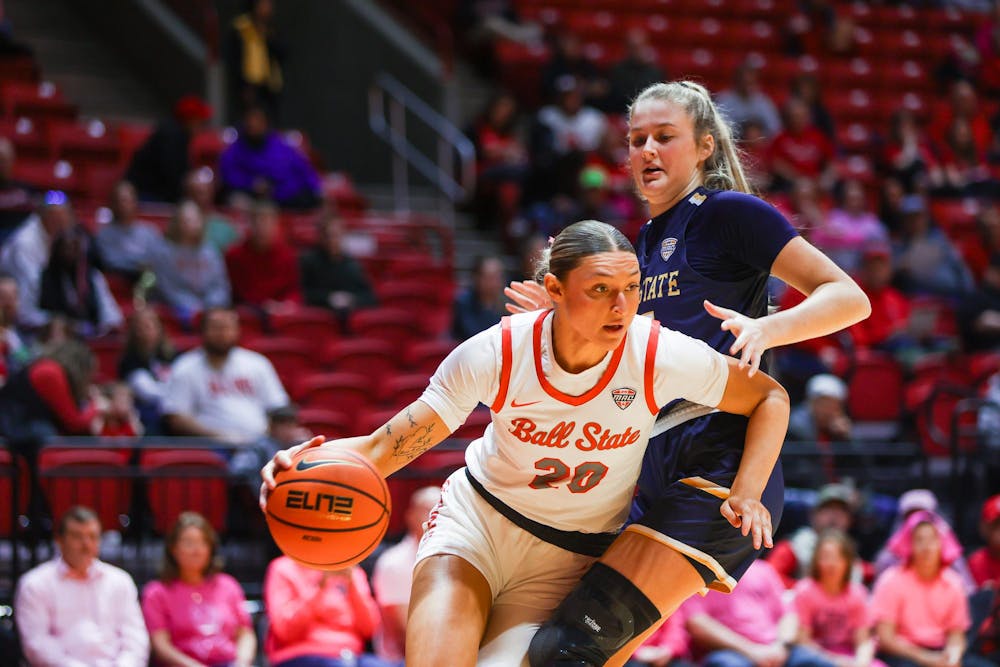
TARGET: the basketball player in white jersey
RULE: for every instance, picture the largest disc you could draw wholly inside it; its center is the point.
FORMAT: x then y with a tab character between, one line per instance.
574	393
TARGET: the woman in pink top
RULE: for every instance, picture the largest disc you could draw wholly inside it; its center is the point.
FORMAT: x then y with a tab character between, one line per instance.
833	610
919	608
318	618
195	614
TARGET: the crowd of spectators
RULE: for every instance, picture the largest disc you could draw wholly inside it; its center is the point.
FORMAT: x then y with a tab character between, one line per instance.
816	601
812	602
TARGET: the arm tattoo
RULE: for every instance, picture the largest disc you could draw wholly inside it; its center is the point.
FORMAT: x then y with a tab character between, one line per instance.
409	446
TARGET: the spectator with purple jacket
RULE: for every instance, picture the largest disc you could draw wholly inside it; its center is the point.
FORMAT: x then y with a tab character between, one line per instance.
260	163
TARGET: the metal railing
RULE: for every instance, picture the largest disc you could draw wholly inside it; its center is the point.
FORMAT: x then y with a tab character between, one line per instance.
387	95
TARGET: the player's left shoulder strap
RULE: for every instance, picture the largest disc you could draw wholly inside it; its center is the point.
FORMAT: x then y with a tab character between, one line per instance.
507	361
650	366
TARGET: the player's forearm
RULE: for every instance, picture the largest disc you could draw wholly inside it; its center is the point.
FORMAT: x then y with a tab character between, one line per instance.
765	434
415	429
831	307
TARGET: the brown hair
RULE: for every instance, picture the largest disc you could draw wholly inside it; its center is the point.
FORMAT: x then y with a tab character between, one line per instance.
579	240
722	169
76	514
77	361
847	550
170	571
173	231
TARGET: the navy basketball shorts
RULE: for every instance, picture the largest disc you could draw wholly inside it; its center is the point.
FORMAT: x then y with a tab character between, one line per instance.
686	476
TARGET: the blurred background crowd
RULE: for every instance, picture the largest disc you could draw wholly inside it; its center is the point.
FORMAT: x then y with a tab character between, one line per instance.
185	292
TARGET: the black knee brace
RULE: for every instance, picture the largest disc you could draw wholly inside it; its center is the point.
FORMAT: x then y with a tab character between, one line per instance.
599	616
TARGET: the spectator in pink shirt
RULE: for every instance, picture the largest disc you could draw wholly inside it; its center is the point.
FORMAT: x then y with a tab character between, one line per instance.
76	611
750	627
669	646
195	613
393	575
919	608
319	618
832	610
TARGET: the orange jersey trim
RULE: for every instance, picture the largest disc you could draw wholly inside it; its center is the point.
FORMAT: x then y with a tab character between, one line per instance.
507	360
609	372
654	338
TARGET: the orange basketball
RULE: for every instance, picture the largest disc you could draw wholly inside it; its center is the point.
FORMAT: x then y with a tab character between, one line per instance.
330	509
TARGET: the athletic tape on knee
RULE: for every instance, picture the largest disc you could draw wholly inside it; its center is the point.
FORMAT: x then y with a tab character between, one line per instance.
599	616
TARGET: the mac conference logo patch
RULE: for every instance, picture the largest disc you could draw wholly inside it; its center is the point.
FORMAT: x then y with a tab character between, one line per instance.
623	397
667	248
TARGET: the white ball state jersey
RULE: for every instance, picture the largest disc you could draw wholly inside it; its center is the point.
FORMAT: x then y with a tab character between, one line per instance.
559	453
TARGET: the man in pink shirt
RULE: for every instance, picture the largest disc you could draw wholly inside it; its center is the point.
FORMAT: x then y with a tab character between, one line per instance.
393	575
76	611
750	627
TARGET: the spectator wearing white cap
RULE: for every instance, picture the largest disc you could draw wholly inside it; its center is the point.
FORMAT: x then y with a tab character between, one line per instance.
822	417
834	509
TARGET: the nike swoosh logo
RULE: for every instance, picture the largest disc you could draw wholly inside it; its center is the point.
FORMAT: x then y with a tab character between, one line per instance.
306	465
515	404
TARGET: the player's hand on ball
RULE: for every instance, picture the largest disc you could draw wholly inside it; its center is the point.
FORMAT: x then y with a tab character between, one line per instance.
751	337
281	461
751	517
527	295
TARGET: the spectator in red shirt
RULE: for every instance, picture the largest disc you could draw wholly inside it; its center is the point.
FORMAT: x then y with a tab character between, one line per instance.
887	325
801	150
264	270
53	395
984	563
966	170
962	103
121	419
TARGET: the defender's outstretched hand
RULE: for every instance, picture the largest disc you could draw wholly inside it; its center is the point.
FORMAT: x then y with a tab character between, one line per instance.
527	296
751	337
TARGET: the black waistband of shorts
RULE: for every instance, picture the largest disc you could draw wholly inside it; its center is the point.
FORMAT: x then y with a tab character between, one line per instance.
586	544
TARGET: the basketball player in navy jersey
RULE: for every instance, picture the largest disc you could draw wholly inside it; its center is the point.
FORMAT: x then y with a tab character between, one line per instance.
705	256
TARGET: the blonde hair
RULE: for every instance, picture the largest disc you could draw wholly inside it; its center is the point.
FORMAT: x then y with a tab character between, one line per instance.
575	243
722	170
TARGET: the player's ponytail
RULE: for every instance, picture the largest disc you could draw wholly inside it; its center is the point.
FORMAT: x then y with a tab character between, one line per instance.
576	242
723	169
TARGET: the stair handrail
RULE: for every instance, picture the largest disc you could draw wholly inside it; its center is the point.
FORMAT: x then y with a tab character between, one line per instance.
451	141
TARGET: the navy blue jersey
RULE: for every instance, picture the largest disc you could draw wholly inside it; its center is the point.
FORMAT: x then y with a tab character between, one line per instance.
715	245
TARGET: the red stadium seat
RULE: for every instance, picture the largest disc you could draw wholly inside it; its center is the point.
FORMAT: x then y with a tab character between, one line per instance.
475	424
392	325
99	180
398	391
348	393
89	143
42	101
289	356
875	396
19	68
329	423
207	146
182	480
50	175
97	478
425	356
28	139
372	357
12	474
305	323
131	137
